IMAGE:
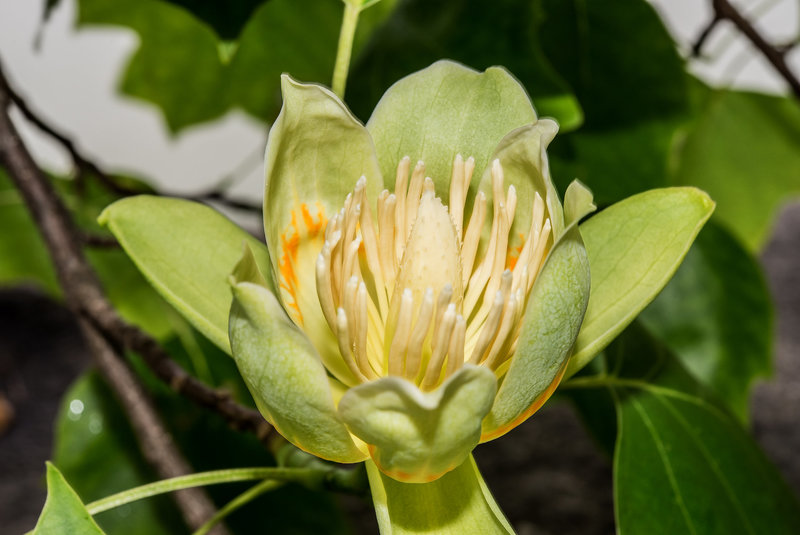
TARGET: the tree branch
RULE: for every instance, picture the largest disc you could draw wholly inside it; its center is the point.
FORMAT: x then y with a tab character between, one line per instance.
85	167
723	9
104	329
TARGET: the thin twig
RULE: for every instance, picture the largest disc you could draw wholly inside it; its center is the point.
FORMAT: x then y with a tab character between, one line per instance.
723	9
81	286
89	300
85	167
98	241
697	47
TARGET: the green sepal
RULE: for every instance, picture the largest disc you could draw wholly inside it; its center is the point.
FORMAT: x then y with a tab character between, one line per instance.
63	511
186	251
283	371
457	503
417	436
634	248
556	308
445	109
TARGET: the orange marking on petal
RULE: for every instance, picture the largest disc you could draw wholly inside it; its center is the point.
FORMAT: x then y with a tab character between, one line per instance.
514	252
291	239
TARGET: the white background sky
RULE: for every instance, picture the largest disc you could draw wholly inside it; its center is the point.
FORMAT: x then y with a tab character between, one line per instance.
71	81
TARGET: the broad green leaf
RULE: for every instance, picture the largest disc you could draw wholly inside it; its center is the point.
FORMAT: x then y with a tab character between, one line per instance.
186	251
443	110
682	463
457	503
716	317
556	307
625	70
194	72
284	373
744	150
63	511
417	436
634	248
420	32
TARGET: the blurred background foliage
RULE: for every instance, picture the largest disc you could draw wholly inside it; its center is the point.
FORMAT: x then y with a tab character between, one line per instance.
632	118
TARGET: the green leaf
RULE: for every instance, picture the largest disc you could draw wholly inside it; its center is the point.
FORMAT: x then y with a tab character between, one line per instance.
63	511
420	32
744	150
556	307
284	373
457	503
634	248
716	317
682	463
180	65
443	110
186	251
417	436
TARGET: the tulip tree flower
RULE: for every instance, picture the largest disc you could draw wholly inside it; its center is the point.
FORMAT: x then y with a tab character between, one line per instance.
423	288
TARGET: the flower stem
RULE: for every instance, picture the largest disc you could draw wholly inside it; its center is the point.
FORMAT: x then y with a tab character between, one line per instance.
345	49
242	499
299	475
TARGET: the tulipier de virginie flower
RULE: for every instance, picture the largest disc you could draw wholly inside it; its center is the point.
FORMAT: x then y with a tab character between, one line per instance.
422	289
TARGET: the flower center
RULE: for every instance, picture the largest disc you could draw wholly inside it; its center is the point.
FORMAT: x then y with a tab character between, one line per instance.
411	293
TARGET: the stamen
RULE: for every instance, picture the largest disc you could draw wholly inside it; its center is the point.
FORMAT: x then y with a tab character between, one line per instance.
417	334
421	329
456	205
440	346
473	235
345	348
455	357
400	339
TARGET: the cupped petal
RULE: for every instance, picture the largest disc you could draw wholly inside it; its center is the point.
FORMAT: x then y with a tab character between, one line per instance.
283	371
555	311
523	156
457	503
316	152
445	109
416	436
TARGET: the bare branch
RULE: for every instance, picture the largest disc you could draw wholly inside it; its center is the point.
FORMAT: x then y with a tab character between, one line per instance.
697	47
85	167
723	9
107	333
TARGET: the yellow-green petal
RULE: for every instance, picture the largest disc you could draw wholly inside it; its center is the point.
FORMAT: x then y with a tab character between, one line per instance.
417	436
458	503
555	310
445	109
522	154
634	248
283	372
316	152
